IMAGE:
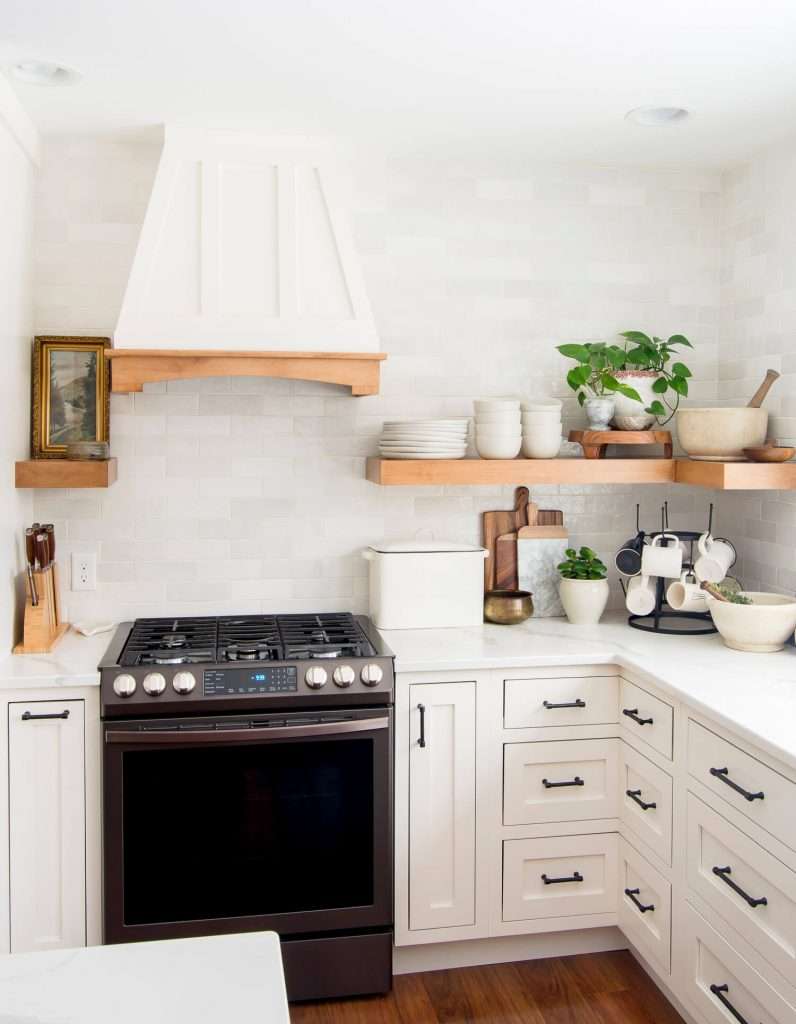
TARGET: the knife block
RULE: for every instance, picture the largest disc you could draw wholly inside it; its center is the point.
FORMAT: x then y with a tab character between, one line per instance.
42	627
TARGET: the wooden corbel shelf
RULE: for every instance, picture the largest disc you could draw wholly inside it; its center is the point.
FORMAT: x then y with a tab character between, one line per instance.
132	368
70	473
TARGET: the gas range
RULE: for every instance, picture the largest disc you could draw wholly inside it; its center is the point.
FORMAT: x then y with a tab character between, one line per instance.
167	666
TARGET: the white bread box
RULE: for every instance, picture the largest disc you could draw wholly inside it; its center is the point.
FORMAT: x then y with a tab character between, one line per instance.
426	585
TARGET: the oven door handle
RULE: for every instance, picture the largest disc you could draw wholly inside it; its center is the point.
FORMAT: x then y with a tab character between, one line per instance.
252	735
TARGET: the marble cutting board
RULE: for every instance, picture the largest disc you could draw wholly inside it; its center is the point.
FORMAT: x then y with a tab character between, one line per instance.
537	558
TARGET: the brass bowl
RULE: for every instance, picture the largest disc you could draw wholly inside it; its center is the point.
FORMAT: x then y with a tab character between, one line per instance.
507	607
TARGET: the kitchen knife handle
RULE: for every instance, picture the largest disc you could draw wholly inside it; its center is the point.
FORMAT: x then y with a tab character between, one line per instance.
49	529
30	547
42	550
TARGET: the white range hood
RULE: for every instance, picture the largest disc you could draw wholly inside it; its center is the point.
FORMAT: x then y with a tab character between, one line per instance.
244	248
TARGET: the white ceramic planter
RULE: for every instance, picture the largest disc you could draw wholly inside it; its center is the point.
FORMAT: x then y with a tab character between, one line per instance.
630	414
599	412
584	601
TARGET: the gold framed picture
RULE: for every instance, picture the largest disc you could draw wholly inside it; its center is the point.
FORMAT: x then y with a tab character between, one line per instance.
71	394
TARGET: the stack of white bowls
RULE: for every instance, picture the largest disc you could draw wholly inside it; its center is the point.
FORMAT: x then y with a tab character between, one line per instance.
424	439
498	434
541	428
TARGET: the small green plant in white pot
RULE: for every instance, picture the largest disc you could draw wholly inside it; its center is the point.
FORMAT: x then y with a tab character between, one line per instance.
594	382
658	387
584	587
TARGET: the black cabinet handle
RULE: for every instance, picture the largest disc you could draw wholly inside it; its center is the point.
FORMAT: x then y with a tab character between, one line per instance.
718	991
633	713
723	775
577	781
422	709
724	875
572	704
632	895
635	796
28	716
577	877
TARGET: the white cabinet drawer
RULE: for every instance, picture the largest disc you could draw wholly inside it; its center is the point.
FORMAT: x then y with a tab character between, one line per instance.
750	889
588	700
645	800
560	877
645	905
566	780
751	787
721	985
645	717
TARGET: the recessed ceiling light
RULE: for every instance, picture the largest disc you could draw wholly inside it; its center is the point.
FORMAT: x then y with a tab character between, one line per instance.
657	117
44	72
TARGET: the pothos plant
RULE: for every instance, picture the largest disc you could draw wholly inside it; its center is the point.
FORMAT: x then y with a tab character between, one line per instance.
582	565
594	374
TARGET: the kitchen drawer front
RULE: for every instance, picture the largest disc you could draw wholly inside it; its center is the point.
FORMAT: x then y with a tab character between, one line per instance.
588	700
646	717
770	927
565	780
717	978
645	906
645	800
768	798
561	877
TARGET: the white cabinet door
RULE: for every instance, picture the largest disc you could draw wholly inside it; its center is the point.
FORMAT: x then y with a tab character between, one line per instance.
47	846
442	805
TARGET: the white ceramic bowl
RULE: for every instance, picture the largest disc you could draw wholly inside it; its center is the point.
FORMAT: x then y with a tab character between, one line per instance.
762	626
540	419
541	405
536	447
509	416
493	431
498	447
496	404
720	435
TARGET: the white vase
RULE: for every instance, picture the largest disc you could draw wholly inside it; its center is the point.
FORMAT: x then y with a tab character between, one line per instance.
599	412
584	601
630	414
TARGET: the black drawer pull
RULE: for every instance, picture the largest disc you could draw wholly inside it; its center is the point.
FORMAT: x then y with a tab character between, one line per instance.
723	775
635	796
422	709
632	895
577	877
718	991
724	875
28	716
577	781
572	704
633	713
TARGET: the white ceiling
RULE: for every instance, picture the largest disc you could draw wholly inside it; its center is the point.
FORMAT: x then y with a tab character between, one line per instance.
549	79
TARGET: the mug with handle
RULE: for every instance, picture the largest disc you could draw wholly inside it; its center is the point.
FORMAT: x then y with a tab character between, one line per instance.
628	557
640	596
686	595
657	560
716	556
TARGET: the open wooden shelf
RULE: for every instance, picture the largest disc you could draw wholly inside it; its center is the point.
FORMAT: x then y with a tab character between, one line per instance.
132	368
65	473
715	475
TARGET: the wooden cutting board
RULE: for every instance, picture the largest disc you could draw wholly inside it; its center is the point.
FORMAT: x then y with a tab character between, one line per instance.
506	572
500	522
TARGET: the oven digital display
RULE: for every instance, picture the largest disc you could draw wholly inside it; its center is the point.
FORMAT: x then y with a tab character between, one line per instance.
237	681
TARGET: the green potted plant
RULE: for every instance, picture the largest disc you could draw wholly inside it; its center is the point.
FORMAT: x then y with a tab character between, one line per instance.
594	380
584	587
658	386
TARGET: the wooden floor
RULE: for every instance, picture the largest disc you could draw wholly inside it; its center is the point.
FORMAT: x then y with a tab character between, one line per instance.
597	988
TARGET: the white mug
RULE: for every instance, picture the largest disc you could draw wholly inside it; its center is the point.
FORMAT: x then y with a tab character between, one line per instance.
715	558
686	595
656	560
640	596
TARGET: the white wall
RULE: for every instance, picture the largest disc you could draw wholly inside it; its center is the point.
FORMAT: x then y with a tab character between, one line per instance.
18	154
250	494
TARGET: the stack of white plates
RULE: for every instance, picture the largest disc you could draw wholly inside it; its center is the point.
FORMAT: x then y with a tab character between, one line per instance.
424	439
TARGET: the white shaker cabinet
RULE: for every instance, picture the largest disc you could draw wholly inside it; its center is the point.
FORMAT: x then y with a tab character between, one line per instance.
47	826
442	781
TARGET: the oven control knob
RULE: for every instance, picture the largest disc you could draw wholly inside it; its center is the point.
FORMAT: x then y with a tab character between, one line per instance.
372	675
184	682
344	675
124	685
154	683
316	677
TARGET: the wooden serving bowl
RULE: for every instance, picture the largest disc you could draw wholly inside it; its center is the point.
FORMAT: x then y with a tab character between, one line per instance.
769	453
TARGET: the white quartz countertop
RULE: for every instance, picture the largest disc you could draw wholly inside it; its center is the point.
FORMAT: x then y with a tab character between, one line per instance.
754	695
212	980
73	662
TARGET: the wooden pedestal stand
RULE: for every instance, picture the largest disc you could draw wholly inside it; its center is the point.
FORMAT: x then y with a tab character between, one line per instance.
42	628
596	441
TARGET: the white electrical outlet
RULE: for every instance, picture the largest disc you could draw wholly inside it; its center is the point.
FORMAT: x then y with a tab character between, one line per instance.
84	571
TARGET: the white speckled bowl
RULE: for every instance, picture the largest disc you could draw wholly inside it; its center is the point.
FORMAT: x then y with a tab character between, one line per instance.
763	626
720	435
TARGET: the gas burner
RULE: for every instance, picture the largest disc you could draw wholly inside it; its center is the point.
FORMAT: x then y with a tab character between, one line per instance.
174	639
251	651
176	657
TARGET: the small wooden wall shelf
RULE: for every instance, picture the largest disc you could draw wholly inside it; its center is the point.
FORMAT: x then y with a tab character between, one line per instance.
595	442
737	476
132	368
65	473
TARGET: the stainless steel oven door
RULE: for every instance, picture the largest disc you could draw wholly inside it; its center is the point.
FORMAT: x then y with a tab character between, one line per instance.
232	824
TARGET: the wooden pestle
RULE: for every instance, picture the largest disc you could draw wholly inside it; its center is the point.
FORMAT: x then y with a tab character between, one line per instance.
759	396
